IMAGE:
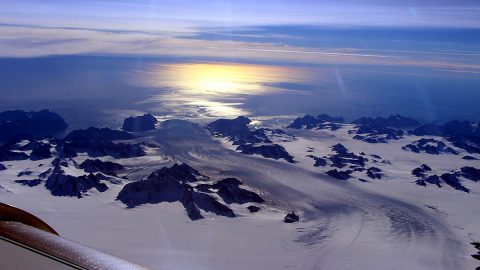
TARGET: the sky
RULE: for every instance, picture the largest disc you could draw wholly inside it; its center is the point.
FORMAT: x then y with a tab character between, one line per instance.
178	14
421	33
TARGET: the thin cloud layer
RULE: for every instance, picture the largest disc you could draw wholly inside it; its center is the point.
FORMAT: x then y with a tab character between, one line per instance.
426	34
26	41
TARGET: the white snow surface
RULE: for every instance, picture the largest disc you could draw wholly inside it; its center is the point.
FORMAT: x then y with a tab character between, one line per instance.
388	223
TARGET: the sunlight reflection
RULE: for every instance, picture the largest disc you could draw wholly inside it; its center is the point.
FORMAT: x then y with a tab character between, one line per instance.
215	89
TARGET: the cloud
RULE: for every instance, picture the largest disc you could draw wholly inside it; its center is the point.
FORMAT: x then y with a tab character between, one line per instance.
28	41
313	52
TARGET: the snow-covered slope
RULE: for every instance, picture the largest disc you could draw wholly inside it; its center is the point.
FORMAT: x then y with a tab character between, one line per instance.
387	223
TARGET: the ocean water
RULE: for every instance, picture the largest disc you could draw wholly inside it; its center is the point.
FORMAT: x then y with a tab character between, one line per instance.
101	91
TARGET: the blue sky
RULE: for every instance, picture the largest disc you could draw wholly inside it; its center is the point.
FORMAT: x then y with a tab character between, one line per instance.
152	15
428	34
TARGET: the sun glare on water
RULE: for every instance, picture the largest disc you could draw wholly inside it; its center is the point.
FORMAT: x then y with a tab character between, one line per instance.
215	89
216	79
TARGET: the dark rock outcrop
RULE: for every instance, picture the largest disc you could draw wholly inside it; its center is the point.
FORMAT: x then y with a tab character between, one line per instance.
421	170
425	176
178	183
255	136
64	162
429	130
396	121
6	154
45	174
341	175
349	162
183	172
327	118
462	134
105	167
469	158
229	190
476	256
452	180
234	128
340	149
41	151
291	217
274	151
429	146
434	180
431	179
319	162
306	121
193	212
2	167
30	183
154	189
15	148
376	134
462	128
421	182
237	131
470	173
9	130
39	124
99	142
253	208
62	184
378	159
344	158
209	203
381	130
249	141
471	144
101	149
374	173
98	134
322	121
24	172
193	202
139	123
